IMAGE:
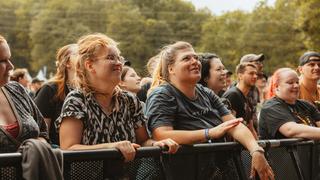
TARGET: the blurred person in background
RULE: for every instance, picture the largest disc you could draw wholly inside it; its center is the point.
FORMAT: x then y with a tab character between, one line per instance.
309	69
146	81
51	96
228	80
238	95
35	85
130	80
21	75
213	73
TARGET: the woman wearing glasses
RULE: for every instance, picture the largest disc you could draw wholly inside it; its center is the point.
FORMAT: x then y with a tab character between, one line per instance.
284	115
98	115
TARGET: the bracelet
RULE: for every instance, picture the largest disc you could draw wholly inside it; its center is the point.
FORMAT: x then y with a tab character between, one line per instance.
206	134
257	150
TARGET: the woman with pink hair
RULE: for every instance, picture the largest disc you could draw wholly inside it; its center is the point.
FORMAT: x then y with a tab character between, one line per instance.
284	115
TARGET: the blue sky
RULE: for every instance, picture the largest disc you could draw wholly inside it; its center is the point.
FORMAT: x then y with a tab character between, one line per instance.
220	6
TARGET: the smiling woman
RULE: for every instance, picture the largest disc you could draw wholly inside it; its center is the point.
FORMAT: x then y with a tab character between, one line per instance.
284	115
213	73
187	112
98	114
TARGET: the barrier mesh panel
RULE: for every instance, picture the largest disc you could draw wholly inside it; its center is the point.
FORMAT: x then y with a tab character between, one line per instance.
89	170
282	164
140	169
246	162
305	160
8	173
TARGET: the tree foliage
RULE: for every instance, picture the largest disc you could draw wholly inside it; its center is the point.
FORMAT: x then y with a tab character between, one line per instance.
35	29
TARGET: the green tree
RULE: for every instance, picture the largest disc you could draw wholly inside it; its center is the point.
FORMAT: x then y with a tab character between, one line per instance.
61	23
126	26
309	22
25	11
271	31
221	35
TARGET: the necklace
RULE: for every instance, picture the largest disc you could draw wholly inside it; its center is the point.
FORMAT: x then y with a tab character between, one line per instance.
314	95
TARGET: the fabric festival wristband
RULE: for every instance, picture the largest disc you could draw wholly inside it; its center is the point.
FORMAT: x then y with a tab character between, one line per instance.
206	134
257	150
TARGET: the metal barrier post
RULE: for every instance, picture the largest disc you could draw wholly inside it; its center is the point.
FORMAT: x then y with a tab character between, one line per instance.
296	161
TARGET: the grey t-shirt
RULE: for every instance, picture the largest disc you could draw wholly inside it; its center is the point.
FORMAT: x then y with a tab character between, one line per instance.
167	106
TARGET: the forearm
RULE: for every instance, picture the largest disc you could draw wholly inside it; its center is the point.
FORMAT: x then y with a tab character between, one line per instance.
253	130
244	136
181	136
304	131
89	147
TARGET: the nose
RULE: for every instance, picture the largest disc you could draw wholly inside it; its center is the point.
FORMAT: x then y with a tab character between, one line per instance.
10	66
224	72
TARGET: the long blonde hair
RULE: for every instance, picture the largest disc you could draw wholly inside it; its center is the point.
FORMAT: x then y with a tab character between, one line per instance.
63	56
89	46
167	57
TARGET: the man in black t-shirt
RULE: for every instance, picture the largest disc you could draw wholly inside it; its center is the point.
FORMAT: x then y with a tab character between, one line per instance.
238	95
253	95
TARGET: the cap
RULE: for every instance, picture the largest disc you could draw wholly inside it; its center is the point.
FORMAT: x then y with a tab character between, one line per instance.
37	80
229	73
307	57
127	62
252	57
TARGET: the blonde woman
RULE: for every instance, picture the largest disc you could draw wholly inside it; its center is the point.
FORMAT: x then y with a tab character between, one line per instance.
179	108
98	115
50	97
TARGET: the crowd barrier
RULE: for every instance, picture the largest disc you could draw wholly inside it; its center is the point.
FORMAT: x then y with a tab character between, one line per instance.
292	159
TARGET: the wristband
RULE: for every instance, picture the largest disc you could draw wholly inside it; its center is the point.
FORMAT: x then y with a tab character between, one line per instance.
257	150
206	134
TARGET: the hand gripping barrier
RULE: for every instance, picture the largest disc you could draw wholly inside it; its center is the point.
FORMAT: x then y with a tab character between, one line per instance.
289	158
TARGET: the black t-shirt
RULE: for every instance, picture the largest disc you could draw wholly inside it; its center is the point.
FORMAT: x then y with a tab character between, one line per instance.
239	103
50	107
275	112
142	94
167	106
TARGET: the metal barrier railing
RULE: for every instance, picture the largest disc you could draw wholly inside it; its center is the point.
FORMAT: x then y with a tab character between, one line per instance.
289	158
